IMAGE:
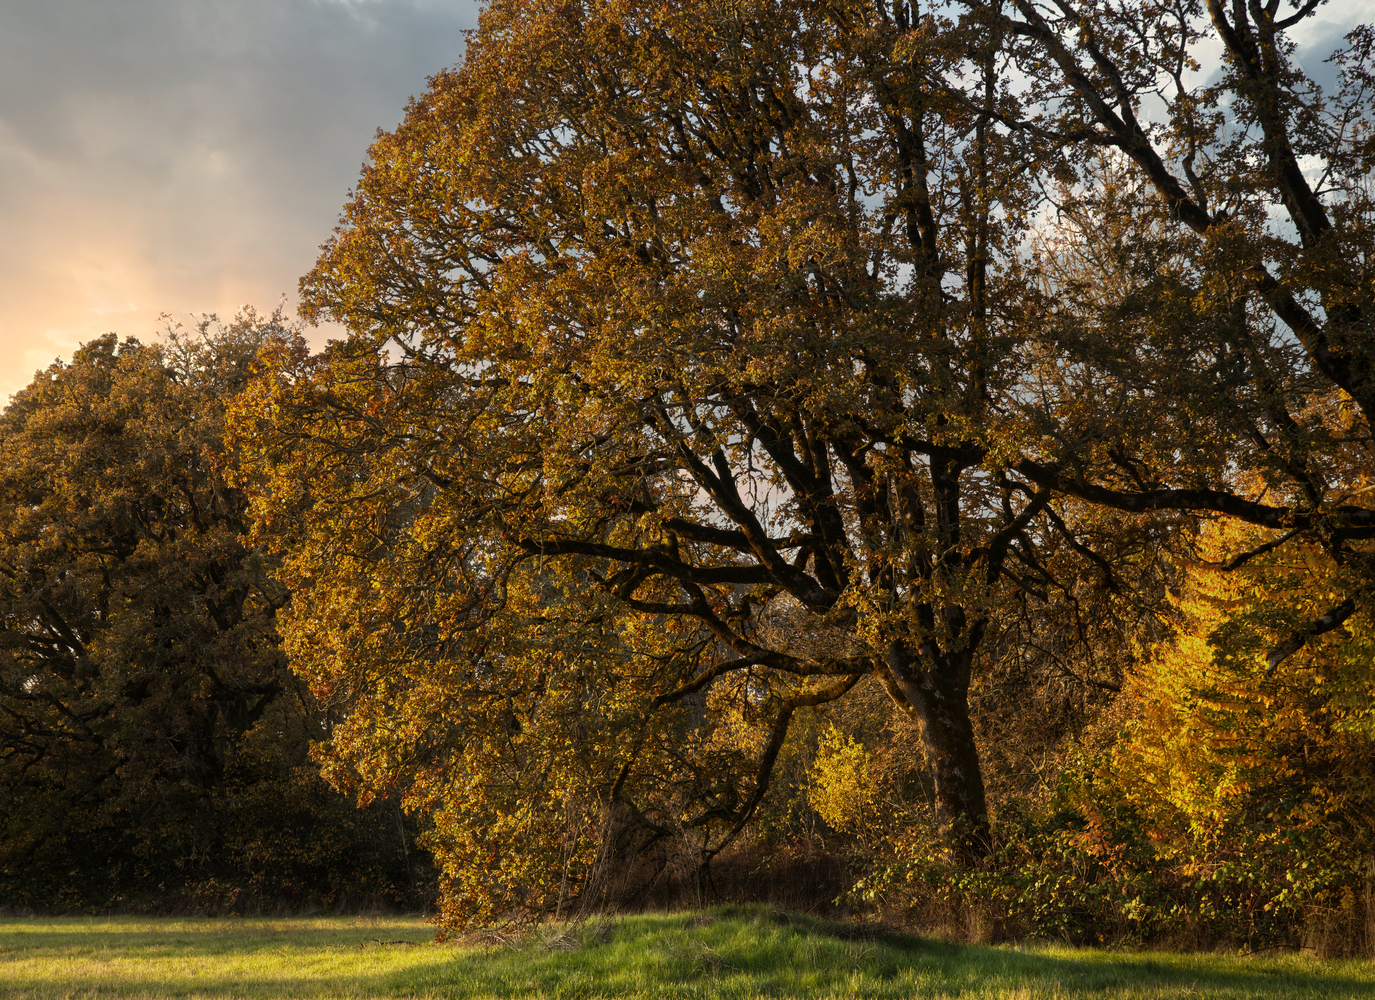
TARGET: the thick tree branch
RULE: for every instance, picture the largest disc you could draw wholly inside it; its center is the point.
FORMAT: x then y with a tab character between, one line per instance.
1359	521
766	763
1333	619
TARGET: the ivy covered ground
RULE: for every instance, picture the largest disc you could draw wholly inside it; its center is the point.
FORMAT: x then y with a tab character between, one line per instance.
720	953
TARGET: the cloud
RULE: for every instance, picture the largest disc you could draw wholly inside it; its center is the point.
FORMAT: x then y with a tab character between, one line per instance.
186	155
190	156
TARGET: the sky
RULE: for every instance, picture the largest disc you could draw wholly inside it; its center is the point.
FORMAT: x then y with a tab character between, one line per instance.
186	156
190	156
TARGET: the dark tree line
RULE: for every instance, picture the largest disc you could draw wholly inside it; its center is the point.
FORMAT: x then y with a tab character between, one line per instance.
154	745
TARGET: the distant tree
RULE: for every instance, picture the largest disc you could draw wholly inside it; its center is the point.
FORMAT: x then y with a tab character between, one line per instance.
145	705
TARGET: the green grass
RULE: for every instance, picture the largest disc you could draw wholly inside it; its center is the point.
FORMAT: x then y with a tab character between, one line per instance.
722	953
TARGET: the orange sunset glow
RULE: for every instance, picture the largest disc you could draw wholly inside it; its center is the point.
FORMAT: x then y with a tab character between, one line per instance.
160	156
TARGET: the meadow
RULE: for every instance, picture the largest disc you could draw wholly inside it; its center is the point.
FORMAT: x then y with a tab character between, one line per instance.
726	953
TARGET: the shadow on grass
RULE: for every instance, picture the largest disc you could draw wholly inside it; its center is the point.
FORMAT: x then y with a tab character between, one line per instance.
1048	967
1051	968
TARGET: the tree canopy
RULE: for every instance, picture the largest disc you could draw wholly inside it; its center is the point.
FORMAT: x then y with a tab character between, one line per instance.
709	361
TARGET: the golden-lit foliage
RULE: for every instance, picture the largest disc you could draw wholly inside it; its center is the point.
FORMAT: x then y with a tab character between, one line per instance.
674	396
843	790
1217	738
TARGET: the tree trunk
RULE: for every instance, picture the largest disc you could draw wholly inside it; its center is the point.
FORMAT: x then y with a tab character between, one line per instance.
939	700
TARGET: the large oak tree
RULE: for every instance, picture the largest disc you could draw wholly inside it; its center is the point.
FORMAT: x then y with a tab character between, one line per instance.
735	345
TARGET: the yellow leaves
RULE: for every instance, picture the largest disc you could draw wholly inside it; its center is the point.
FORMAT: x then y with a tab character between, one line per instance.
842	789
1214	736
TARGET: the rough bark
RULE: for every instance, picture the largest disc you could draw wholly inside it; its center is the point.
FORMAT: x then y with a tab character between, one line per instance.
938	695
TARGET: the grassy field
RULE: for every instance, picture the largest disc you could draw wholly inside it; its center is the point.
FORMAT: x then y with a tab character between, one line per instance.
726	953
